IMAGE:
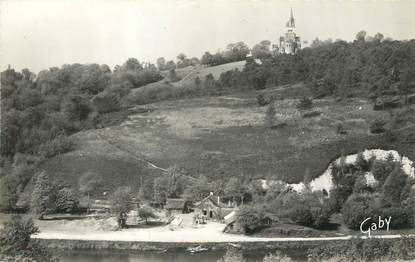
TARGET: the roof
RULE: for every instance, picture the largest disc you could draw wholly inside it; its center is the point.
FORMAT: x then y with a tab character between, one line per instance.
175	203
213	199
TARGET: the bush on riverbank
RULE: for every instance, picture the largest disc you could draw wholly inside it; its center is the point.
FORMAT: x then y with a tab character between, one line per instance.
365	250
15	242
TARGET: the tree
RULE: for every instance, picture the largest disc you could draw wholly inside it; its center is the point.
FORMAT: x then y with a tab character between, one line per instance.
209	83
16	244
199	189
394	184
198	81
183	61
106	102
382	168
262	50
170	65
133	64
160	189
235	189
207	59
161	63
8	193
181	57
146	213
379	37
241	50
256	191
120	202
249	218
66	200
75	108
360	185
270	115
43	196
360	36
173	76
357	208
89	182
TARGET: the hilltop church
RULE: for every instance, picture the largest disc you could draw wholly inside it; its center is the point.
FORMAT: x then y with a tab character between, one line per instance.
290	43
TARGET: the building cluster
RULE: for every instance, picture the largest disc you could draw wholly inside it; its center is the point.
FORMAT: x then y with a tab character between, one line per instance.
290	43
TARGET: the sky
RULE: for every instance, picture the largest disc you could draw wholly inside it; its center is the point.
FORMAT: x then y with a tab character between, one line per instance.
38	34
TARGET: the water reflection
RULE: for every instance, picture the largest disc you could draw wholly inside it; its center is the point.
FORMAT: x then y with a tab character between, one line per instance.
105	256
125	256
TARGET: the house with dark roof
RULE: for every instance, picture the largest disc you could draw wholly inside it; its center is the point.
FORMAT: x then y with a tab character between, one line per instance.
211	207
177	205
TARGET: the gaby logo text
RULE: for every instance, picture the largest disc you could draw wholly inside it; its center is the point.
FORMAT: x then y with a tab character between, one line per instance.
366	227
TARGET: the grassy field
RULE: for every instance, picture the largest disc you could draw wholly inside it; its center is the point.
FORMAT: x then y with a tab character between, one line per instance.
188	75
226	136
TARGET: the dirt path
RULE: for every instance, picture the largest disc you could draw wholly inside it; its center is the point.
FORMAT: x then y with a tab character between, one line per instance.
211	232
100	136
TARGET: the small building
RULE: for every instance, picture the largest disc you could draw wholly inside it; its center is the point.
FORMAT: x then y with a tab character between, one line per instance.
177	206
212	208
291	42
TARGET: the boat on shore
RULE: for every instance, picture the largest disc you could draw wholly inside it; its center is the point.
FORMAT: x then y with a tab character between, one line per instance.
197	249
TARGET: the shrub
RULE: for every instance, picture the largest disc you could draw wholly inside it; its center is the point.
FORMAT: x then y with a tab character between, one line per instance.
120	202
249	218
365	250
340	129
277	257
394	184
106	102
391	136
360	185
311	114
66	200
401	217
382	168
232	255
270	115
357	208
146	213
261	100
300	214
56	146
15	243
43	196
377	126
173	76
305	103
338	196
307	209
363	164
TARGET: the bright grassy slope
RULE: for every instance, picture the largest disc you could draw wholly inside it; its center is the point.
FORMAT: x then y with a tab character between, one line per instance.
221	137
225	136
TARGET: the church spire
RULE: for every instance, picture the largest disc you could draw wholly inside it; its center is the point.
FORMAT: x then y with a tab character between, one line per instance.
291	20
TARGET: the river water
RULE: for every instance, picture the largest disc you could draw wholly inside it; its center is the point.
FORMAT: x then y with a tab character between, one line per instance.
124	256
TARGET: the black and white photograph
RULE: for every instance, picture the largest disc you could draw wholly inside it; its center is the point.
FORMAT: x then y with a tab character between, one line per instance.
207	131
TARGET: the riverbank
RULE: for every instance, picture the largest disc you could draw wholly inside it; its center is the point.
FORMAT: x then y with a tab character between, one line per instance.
163	246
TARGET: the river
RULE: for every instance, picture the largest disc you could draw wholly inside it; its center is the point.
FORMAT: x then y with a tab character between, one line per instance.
123	256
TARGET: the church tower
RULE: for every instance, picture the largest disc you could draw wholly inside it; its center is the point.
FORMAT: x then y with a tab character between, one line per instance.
290	43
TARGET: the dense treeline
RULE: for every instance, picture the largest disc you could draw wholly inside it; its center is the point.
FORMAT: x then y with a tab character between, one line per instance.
39	113
359	68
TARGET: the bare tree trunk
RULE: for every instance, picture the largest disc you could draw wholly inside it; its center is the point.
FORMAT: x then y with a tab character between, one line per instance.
87	210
